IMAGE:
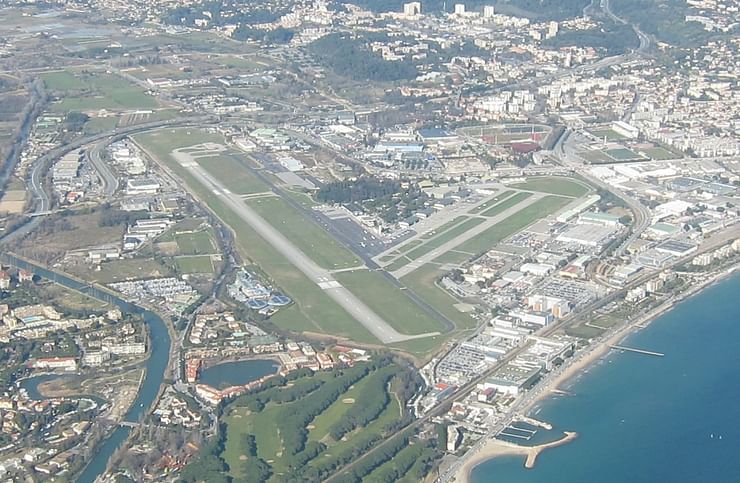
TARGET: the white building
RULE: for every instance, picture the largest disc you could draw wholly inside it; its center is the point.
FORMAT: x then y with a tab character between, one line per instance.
412	9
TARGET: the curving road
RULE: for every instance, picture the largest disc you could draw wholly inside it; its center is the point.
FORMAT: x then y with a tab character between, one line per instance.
36	179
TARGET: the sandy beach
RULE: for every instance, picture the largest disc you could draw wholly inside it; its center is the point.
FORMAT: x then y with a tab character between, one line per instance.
575	366
495	448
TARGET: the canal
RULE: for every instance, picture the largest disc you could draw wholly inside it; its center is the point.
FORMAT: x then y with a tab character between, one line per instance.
159	340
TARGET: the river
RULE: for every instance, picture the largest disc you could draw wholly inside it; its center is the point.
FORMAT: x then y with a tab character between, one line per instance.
159	340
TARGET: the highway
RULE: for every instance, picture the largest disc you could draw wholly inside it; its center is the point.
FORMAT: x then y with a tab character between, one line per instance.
322	277
107	177
40	168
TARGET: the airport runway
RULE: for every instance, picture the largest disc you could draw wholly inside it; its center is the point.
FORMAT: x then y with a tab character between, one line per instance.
471	233
346	299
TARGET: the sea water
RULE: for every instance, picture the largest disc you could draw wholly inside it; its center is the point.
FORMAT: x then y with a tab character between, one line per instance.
643	418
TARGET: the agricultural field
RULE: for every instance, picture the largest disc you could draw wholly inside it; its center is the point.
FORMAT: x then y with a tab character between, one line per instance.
555	185
95	91
309	237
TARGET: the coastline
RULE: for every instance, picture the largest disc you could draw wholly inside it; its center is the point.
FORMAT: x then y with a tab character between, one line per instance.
495	448
574	367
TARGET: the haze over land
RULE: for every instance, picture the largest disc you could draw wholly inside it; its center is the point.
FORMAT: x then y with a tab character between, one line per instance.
316	241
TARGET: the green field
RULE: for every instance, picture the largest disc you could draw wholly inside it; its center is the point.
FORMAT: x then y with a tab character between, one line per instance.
501	196
454	257
422	282
444	237
436	231
519	220
554	185
309	237
95	91
237	178
506	204
660	154
313	310
196	243
263	424
400	262
596	156
388	302
623	154
608	133
124	269
100	124
194	264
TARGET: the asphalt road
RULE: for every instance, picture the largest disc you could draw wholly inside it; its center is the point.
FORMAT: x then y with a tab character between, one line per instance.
346	299
109	179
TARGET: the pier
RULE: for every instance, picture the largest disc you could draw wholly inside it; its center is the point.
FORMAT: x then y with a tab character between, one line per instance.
638	351
534	422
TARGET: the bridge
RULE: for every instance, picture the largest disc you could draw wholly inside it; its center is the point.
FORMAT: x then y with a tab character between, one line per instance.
638	351
128	424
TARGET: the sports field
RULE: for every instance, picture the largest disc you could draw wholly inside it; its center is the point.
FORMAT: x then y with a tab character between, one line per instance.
555	185
195	243
309	237
660	154
623	154
506	133
194	264
608	133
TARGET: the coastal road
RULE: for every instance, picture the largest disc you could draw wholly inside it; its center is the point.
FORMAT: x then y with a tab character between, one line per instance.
321	277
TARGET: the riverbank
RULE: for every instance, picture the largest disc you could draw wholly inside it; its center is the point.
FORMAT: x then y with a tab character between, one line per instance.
495	448
576	365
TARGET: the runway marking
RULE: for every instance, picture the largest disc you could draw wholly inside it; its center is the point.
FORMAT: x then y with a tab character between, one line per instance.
329	285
